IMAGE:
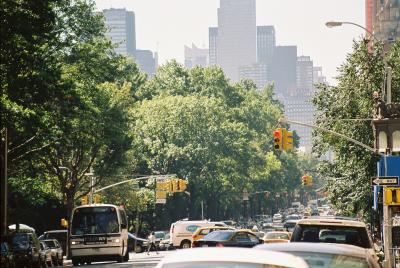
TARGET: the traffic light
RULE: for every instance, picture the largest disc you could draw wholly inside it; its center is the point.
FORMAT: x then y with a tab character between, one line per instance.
182	185
287	140
84	200
304	180
174	185
97	199
309	181
64	223
278	139
391	196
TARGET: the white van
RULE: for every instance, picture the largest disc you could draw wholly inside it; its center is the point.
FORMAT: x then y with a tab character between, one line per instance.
181	231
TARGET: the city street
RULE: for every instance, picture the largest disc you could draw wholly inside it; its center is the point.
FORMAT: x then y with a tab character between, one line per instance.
135	260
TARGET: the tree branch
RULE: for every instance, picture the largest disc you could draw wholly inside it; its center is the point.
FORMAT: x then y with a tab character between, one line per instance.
30	151
22	144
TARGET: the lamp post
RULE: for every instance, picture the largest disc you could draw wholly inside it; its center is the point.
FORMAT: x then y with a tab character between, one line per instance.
331	24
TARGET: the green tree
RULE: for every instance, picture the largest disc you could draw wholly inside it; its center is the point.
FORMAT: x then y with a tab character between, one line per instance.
360	75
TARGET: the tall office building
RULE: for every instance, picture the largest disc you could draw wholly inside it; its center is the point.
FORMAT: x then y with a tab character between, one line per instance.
146	60
236	37
265	43
195	56
212	45
121	30
258	72
284	69
383	19
305	75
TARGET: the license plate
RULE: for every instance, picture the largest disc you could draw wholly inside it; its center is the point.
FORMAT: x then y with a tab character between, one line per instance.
204	246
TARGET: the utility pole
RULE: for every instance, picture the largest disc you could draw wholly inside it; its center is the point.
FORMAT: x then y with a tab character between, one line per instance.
3	180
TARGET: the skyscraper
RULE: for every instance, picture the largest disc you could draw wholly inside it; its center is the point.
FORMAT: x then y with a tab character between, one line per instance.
283	69
146	61
212	45
236	37
304	75
258	72
265	43
121	25
195	56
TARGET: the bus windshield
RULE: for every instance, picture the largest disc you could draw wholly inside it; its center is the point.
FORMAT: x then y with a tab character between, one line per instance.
94	220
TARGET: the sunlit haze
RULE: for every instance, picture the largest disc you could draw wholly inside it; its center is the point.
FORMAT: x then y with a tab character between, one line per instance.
166	26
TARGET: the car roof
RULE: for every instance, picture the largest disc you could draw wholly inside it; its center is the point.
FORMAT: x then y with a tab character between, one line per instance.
331	221
217	227
328	248
55	231
242	255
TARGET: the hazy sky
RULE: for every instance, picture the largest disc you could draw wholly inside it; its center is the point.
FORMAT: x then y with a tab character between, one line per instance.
167	25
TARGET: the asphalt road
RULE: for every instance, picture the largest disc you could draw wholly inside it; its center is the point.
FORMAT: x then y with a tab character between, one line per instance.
135	260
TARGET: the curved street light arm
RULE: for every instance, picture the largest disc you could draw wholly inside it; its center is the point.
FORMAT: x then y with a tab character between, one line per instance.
284	120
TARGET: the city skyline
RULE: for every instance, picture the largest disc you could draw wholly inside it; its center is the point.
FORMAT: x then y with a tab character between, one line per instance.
167	27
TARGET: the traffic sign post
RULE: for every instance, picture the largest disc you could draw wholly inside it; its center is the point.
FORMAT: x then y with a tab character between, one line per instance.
386	181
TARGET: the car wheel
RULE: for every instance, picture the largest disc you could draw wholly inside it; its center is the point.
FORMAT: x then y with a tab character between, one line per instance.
185	244
138	249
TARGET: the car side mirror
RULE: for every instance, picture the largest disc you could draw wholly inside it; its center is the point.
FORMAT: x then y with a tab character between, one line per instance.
123	226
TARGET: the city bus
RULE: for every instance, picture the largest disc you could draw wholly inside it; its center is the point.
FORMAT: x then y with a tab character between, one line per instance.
98	232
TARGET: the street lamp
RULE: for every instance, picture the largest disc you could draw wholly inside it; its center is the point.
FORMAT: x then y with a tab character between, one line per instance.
331	24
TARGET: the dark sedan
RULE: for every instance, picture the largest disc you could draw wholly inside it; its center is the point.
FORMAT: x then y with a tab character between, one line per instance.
228	238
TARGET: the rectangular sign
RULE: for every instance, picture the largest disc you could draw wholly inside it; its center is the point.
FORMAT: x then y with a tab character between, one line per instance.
385	181
161	201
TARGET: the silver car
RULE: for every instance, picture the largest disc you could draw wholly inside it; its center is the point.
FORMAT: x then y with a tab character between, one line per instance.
327	254
56	251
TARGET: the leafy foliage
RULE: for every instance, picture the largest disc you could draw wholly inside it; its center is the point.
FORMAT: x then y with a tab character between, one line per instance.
360	75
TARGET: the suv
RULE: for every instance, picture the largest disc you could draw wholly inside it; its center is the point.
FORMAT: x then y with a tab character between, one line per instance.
59	235
26	249
333	230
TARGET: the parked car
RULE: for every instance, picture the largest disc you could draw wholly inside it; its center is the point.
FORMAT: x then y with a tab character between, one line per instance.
46	259
7	255
228	238
230	257
277	237
327	255
59	235
136	244
26	249
165	244
56	251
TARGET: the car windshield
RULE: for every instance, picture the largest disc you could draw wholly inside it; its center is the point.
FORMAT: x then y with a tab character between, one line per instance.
20	241
356	236
95	220
217	265
277	236
159	234
315	259
219	236
50	244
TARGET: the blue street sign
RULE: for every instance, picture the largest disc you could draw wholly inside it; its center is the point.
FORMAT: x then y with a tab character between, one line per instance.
387	166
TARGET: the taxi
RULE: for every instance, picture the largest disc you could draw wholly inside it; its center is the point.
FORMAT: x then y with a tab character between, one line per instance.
202	232
277	237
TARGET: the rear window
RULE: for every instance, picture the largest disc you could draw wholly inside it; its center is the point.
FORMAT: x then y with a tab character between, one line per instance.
356	236
51	244
277	236
219	236
331	260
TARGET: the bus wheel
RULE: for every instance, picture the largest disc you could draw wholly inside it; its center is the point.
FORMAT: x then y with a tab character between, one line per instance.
126	257
75	262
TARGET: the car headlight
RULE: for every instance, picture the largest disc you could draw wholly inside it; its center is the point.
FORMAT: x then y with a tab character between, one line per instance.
76	242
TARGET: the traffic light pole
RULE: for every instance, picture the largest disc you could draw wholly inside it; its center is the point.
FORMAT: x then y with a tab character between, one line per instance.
284	120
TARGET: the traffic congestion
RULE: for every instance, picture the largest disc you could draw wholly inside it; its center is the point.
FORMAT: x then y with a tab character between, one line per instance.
289	238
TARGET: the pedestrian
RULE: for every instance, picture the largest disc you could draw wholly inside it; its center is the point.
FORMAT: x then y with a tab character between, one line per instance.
152	243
